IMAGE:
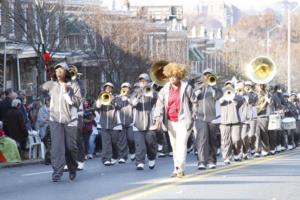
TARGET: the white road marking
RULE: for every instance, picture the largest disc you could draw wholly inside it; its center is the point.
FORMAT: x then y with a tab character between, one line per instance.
37	173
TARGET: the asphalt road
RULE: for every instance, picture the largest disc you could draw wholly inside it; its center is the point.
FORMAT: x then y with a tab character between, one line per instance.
271	178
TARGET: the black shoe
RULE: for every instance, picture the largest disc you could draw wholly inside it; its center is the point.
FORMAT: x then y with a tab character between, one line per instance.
56	178
47	162
72	175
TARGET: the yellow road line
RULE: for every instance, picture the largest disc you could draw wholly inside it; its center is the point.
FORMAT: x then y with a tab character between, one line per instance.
166	183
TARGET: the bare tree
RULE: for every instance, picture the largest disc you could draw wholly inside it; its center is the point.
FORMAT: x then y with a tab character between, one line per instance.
120	41
41	24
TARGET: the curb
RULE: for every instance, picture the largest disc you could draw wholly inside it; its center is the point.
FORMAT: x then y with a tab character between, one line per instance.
22	163
30	162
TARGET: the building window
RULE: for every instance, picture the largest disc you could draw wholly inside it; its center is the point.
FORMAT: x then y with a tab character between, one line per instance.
0	17
24	10
12	10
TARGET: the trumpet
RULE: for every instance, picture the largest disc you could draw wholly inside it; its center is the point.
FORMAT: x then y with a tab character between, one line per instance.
104	98
73	71
211	80
248	89
239	90
228	93
124	92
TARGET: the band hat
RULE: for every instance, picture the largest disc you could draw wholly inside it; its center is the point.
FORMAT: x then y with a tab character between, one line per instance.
293	94
208	71
63	65
108	84
249	83
144	76
126	84
228	82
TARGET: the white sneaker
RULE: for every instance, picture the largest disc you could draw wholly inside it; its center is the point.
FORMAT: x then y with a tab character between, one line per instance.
160	147
211	166
245	156
107	163
132	157
278	148
66	168
237	158
113	161
151	164
273	152
80	165
90	156
283	148
257	155
201	166
122	161
140	166
171	154
264	153
227	161
290	147
161	155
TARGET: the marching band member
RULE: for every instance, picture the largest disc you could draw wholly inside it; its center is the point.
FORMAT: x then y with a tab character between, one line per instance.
295	100
230	127
65	99
278	105
109	125
252	99
126	117
143	102
291	111
173	109
263	109
204	99
243	112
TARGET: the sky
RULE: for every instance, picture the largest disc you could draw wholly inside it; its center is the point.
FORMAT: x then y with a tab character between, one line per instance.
242	4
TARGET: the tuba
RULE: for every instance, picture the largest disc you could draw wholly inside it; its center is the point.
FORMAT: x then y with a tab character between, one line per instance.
261	70
104	98
156	73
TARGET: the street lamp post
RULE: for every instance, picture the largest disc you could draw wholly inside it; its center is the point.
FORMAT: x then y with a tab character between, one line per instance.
289	12
268	37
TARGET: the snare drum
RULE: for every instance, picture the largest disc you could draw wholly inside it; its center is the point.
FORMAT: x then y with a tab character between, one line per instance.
288	123
274	122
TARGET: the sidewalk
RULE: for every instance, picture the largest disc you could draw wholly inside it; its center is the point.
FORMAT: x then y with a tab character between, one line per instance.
32	162
22	163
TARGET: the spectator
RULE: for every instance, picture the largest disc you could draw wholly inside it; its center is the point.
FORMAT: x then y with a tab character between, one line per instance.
33	113
5	105
24	109
2	96
15	126
8	148
42	125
